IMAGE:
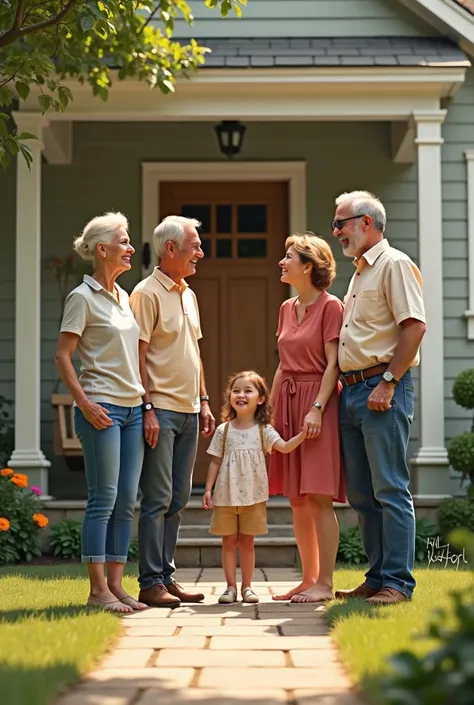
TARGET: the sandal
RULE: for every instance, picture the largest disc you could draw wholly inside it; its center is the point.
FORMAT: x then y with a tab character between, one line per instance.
133	603
248	595
109	606
228	596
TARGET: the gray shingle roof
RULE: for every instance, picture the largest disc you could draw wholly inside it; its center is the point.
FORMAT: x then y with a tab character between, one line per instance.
335	51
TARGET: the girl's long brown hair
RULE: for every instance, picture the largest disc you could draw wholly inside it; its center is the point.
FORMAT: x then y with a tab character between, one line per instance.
263	413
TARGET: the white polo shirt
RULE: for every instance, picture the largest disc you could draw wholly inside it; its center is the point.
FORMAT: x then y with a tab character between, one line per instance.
108	343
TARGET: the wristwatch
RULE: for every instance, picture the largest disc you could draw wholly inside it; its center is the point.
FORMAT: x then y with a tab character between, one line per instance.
147	406
205	397
317	405
388	377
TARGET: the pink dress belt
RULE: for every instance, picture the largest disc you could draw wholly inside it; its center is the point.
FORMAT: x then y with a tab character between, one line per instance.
288	388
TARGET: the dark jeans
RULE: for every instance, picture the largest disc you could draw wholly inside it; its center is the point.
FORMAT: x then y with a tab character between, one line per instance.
166	487
113	461
374	446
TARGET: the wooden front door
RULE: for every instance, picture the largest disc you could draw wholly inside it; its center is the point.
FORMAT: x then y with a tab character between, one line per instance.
237	284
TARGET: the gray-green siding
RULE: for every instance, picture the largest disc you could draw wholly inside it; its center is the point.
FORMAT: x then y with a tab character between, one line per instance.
307	18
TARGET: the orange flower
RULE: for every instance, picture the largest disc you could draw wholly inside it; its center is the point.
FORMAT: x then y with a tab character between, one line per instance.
6	472
4	524
20	480
40	520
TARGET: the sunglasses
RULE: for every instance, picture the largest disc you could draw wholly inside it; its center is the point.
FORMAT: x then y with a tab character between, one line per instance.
337	224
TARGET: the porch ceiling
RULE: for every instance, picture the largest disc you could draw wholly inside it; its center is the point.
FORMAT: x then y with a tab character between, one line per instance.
333	51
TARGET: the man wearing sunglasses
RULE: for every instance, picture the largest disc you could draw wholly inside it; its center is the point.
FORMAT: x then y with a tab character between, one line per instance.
383	326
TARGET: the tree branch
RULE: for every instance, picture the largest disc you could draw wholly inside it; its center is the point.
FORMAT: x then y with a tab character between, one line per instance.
150	18
18	21
16	32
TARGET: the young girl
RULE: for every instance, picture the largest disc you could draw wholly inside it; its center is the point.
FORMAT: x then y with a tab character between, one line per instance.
239	446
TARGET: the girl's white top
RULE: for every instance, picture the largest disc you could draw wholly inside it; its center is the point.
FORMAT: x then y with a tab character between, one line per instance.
242	478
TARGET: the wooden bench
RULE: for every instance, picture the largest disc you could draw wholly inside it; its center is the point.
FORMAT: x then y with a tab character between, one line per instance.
64	435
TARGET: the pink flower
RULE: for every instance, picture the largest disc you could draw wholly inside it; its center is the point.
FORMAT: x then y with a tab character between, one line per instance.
37	491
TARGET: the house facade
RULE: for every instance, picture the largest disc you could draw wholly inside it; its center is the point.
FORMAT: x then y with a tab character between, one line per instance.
335	95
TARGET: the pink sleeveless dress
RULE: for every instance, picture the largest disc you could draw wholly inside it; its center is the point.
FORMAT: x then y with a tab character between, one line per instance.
315	467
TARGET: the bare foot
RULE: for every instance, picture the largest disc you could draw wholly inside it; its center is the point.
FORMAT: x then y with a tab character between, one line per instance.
295	591
108	601
316	593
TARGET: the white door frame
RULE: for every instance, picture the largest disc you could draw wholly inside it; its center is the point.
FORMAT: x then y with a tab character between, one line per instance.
154	172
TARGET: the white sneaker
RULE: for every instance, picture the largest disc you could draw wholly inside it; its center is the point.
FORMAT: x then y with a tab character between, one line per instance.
229	596
248	595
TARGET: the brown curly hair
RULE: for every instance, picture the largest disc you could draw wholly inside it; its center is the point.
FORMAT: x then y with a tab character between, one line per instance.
315	251
263	413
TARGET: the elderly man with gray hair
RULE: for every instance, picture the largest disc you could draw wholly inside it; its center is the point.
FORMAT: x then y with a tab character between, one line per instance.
175	395
383	326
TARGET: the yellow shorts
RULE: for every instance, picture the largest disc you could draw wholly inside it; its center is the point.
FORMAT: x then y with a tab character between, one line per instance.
251	520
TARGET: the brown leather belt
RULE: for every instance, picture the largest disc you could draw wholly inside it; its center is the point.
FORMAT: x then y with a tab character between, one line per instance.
350	378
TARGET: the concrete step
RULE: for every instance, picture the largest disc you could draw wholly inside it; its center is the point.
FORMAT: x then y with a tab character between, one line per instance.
278	552
198	531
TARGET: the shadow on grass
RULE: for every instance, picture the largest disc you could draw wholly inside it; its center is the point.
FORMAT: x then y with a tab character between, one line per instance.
48	614
35	686
343	610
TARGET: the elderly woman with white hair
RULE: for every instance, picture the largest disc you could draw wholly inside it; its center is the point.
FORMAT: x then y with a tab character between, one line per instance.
99	323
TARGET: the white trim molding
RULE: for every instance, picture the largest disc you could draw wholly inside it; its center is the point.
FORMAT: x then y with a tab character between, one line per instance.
431	460
28	454
153	173
453	17
310	94
469	155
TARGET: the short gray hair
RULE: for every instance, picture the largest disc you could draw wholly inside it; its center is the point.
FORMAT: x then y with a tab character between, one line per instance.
102	228
173	228
365	203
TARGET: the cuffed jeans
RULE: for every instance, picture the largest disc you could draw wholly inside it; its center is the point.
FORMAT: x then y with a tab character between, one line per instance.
165	485
113	459
374	445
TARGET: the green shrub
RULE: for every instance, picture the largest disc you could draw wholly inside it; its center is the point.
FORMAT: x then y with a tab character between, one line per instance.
20	518
65	539
352	552
461	455
7	440
133	550
463	389
425	529
350	549
445	675
455	513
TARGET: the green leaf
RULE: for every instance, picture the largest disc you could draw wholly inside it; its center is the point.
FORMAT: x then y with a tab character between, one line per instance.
45	102
6	96
86	22
22	89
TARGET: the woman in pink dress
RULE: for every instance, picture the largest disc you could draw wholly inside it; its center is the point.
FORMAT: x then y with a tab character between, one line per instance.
305	394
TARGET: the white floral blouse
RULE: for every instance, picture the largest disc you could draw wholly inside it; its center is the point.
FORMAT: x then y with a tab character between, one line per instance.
242	478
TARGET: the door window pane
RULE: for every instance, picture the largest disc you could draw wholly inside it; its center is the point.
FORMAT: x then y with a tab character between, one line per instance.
252	248
224	248
224	219
200	212
206	247
252	218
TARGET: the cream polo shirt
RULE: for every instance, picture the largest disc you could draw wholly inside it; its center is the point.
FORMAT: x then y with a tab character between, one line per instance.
108	343
168	316
385	290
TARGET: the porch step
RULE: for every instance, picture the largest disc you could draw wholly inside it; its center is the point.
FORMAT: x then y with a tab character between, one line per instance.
270	551
196	532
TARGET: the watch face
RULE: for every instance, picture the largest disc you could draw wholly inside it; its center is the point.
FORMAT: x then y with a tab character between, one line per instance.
388	376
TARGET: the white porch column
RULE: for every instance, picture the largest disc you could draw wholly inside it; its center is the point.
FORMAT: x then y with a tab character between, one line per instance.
28	456
431	460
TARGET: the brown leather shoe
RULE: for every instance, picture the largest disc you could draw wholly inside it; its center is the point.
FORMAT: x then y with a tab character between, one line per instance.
175	589
360	591
158	596
387	596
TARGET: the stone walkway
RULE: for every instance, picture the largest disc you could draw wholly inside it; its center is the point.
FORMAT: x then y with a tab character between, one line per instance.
265	654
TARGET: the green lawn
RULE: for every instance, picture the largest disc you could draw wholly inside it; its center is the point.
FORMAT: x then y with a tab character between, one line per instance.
47	638
367	635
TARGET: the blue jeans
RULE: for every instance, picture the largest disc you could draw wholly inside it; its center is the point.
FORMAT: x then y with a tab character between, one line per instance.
374	446
113	459
165	485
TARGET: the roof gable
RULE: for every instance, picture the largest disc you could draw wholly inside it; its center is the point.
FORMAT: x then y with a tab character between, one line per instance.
454	17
